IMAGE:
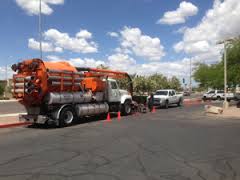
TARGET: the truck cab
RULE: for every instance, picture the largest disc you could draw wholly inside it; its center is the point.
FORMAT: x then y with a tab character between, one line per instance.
213	95
117	96
217	95
166	97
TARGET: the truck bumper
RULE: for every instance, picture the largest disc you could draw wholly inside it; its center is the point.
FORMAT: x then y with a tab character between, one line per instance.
38	119
159	104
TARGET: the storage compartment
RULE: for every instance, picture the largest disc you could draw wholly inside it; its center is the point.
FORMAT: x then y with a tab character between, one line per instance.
93	84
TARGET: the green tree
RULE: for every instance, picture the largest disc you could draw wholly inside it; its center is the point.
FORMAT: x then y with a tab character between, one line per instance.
1	89
212	76
174	83
209	76
148	84
233	62
101	66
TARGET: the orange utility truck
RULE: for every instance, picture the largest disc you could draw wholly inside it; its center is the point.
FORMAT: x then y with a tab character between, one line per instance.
59	93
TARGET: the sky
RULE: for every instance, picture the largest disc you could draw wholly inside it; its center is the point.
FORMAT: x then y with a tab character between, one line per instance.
137	36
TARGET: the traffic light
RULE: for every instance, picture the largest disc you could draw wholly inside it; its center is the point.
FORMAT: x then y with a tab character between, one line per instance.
183	80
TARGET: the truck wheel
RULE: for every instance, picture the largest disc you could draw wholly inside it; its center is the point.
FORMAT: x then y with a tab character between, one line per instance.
67	116
180	102
219	98
166	104
126	109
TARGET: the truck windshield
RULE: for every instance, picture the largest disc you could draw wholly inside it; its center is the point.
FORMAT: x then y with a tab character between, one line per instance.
165	93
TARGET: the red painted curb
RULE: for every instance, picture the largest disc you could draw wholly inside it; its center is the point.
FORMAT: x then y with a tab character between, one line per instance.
14	124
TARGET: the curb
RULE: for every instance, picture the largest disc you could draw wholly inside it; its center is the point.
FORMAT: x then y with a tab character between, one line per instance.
12	114
10	100
14	124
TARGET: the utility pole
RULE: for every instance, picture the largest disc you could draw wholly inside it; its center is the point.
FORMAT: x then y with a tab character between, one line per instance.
40	27
225	43
225	76
190	76
6	78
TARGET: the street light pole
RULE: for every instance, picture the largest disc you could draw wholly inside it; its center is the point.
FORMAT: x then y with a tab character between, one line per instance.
40	28
6	86
190	77
225	42
225	76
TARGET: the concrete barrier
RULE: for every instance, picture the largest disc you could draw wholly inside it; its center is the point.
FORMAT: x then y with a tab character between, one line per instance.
213	109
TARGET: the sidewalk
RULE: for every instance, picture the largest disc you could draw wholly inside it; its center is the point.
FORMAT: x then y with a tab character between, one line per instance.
10	120
231	112
10	100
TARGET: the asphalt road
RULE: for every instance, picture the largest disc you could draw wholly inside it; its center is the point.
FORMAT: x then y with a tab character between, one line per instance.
173	144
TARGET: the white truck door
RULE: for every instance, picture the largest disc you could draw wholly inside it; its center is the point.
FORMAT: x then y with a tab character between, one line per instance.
211	94
175	98
113	91
171	97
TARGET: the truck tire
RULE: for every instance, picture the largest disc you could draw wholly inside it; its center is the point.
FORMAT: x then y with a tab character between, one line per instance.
180	102
126	108
219	98
166	104
66	117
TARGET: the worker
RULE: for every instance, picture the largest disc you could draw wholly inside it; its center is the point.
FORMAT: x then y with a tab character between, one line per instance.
150	102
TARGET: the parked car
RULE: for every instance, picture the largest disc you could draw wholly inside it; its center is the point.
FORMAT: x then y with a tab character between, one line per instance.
186	93
166	97
217	95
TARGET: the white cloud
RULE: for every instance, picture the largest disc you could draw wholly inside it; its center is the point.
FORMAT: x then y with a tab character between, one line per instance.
46	47
3	74
53	58
181	30
124	62
85	34
121	61
220	22
56	41
132	40
180	15
78	62
193	48
81	43
86	62
32	6
169	68
113	34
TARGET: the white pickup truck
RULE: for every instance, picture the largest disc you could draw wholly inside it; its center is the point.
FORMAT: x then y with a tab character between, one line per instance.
217	95
166	97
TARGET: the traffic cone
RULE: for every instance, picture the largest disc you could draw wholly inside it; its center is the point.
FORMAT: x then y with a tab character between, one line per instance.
154	109
119	115
108	118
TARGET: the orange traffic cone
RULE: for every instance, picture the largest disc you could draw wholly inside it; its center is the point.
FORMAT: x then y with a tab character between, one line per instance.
154	109
108	118
119	115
